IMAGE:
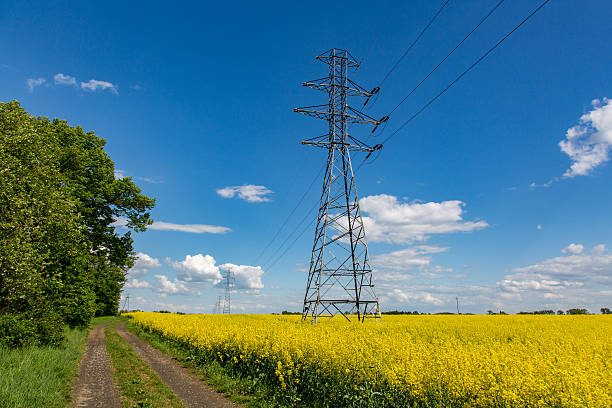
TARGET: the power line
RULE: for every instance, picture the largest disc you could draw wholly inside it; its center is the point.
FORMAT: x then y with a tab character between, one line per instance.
376	37
489	51
308	214
293	243
448	55
412	45
300	201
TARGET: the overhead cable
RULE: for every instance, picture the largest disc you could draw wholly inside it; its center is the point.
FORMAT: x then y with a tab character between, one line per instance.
300	201
416	40
447	55
489	51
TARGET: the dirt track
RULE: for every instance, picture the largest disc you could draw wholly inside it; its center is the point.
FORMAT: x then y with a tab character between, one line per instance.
187	386
94	387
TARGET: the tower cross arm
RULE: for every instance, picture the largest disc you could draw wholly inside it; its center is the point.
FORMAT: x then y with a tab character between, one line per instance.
352	115
352	143
324	84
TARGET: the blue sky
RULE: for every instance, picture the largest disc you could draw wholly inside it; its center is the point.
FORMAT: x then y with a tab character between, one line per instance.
476	198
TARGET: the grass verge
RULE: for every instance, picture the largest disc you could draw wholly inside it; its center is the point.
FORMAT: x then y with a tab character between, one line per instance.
42	376
246	391
139	385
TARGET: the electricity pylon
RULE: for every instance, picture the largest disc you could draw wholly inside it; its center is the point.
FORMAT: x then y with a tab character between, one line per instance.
217	308
229	284
126	302
340	276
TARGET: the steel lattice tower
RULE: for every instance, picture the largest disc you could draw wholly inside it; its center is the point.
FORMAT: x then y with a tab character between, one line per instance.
229	284
340	276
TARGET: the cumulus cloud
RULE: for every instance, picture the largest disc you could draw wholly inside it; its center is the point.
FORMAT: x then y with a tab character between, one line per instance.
175	287
143	263
195	269
198	268
34	82
573	249
576	277
136	284
247	192
194	228
389	220
403	296
588	143
245	276
61	79
94	85
435	297
408	258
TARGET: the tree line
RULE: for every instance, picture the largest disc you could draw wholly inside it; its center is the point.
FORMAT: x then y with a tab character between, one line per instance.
62	261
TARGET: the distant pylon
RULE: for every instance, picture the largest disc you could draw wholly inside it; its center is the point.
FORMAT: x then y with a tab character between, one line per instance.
126	302
229	284
217	308
340	276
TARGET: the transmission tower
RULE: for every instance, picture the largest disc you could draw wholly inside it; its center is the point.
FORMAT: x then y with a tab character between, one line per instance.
217	308
229	284
340	276
126	302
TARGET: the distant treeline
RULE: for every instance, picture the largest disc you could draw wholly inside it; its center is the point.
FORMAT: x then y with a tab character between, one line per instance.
61	259
574	311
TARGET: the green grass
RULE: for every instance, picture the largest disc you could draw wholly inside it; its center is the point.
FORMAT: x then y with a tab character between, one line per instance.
139	385
41	376
249	392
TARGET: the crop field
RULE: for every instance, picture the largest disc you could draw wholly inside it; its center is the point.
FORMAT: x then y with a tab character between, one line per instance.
423	361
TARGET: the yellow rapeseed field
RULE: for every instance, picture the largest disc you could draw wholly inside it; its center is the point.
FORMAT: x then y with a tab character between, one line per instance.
454	361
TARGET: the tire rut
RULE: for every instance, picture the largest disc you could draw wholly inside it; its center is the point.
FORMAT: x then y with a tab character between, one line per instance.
94	386
187	386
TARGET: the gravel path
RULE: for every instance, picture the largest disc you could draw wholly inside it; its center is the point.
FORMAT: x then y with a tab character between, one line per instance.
187	386
94	387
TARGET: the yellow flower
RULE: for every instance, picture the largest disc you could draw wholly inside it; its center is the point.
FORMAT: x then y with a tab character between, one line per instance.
466	361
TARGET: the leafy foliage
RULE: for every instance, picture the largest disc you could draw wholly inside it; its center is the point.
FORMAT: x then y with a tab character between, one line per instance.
61	259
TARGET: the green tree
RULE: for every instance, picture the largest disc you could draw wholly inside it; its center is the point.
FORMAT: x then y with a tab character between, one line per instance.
101	200
41	242
61	259
577	311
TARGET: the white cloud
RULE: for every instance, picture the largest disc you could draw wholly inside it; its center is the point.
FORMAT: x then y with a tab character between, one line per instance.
588	144
152	180
94	84
34	82
539	226
136	284
245	277
61	79
402	296
198	268
389	220
415	257
195	228
143	263
119	174
136	87
246	192
576	279
173	288
573	249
